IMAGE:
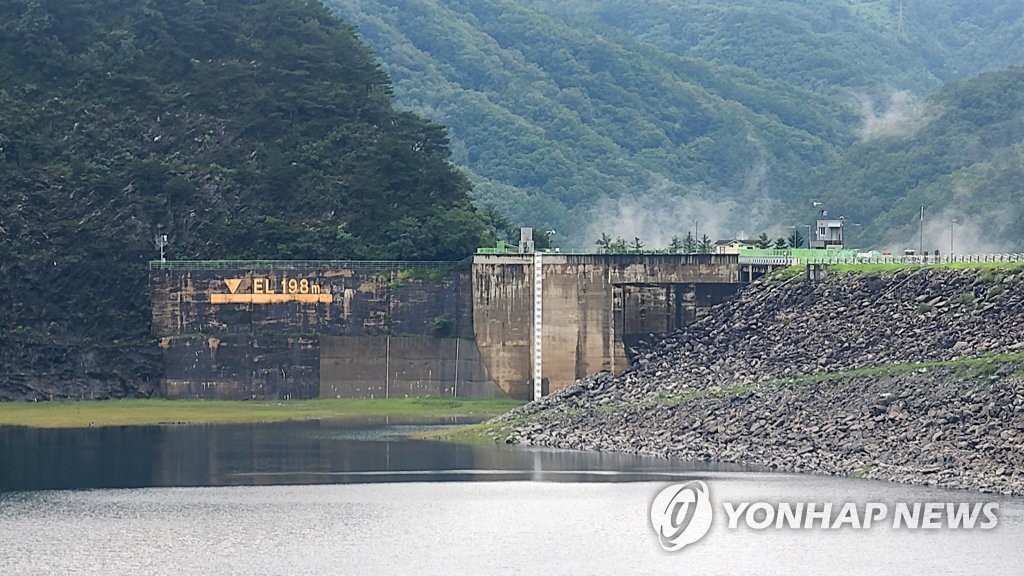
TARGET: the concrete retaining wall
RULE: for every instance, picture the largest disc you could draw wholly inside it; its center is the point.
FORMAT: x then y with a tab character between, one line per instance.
306	332
239	367
402	366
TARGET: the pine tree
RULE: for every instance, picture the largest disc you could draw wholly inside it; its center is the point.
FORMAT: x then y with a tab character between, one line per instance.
689	244
796	239
705	246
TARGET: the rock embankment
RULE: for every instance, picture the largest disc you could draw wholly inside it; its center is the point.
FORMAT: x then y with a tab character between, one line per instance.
916	377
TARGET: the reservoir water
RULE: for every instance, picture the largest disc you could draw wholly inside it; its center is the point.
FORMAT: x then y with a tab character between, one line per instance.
362	498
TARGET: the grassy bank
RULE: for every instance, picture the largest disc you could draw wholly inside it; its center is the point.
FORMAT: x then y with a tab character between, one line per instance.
482	433
882	269
877	269
142	412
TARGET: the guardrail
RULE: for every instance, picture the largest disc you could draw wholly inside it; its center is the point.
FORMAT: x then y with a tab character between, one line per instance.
304	264
450	264
768	260
947	259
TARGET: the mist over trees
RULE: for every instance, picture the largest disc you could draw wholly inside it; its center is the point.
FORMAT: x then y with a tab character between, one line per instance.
737	114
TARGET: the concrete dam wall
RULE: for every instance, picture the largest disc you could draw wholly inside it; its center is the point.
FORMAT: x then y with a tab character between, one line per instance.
275	330
593	307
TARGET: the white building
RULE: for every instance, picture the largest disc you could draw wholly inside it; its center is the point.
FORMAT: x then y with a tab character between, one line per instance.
829	233
733	246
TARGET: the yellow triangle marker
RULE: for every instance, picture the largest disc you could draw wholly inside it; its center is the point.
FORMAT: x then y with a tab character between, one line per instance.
233	284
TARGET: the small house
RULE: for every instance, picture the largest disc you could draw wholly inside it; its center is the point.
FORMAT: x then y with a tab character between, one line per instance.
733	246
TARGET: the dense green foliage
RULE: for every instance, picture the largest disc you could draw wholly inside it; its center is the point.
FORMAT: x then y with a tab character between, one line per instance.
960	154
238	128
591	116
831	46
553	117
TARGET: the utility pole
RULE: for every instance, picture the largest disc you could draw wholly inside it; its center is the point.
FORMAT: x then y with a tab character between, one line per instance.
920	246
952	223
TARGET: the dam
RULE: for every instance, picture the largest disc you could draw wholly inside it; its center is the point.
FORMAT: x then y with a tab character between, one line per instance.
502	325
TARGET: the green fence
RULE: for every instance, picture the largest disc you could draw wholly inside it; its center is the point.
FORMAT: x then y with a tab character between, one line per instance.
801	253
305	264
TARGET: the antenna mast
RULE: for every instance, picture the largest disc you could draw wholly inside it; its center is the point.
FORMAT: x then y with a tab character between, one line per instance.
161	244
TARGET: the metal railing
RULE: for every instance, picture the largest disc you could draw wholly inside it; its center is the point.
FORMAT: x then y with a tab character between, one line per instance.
451	264
768	260
306	264
946	259
578	252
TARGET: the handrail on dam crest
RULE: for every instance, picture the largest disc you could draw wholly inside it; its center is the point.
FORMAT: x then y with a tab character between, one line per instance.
947	259
305	264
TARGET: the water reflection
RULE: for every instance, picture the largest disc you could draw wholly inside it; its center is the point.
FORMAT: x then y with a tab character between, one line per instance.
313	452
573	512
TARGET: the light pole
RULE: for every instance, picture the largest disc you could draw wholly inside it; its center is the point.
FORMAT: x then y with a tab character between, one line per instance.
808	233
845	224
820	206
920	246
952	222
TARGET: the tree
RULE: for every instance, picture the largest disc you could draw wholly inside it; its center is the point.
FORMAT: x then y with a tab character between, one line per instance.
705	247
258	133
796	239
501	225
689	244
619	246
604	243
675	246
542	240
763	241
780	243
637	246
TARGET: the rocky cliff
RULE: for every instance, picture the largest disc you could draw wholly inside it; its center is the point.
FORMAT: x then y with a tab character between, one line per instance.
914	375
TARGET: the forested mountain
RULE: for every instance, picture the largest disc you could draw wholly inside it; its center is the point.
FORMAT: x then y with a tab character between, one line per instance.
959	154
556	119
238	128
864	47
667	112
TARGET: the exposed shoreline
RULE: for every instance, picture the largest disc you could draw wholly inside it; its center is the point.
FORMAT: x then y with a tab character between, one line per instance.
859	426
915	377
